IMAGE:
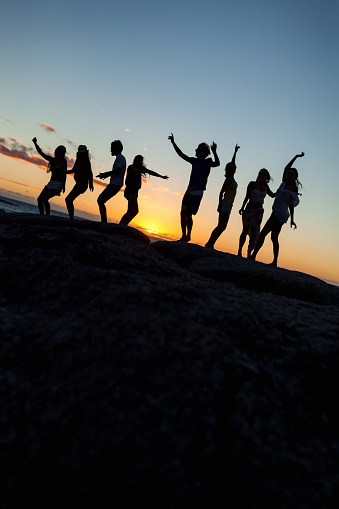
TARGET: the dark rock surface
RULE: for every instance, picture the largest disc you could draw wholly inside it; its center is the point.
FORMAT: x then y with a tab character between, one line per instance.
248	274
128	379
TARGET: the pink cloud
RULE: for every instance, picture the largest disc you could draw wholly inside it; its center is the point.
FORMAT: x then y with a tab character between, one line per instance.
48	128
18	150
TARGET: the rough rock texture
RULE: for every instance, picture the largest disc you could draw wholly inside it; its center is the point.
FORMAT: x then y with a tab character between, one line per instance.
127	379
248	274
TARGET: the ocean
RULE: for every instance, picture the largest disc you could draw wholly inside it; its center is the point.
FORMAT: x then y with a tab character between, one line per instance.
11	205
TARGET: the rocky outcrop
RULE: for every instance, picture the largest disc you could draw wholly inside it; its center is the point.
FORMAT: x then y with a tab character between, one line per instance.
225	267
128	378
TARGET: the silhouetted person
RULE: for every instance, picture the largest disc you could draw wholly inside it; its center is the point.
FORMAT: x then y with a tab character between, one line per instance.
283	207
226	199
117	178
57	166
83	177
133	183
253	213
201	167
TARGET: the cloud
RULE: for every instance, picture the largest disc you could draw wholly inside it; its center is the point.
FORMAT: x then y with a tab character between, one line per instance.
7	120
101	183
19	184
164	190
48	128
18	150
127	130
72	143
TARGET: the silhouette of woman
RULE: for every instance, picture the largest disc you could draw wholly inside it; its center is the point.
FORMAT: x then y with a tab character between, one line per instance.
226	199
57	167
133	183
253	213
83	177
283	207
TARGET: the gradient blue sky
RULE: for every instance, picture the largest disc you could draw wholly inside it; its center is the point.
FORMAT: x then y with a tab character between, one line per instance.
262	74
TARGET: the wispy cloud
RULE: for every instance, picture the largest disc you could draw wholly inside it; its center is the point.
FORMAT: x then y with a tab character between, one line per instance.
127	130
164	190
20	184
7	120
48	128
17	150
72	143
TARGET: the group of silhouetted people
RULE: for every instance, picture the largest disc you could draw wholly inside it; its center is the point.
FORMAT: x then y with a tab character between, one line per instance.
285	198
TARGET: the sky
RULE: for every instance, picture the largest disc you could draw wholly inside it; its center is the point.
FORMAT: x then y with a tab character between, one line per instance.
261	74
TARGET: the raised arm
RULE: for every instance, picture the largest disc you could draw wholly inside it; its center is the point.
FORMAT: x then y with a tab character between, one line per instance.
289	165
45	156
214	152
177	149
235	153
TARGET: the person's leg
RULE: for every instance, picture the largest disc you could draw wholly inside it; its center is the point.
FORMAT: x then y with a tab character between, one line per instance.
184	221
254	229
43	202
132	209
189	224
274	237
110	191
76	191
221	226
244	233
261	238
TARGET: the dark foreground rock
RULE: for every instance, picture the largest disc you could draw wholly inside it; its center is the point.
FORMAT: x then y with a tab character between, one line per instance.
127	379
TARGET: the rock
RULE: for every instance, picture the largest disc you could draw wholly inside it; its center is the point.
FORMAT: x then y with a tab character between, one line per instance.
83	224
248	274
127	377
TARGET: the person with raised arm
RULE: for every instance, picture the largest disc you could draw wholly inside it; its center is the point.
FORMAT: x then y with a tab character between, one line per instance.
135	172
116	181
285	201
57	167
226	199
201	167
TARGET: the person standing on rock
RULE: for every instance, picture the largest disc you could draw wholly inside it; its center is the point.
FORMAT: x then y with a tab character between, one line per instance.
283	207
133	183
226	199
83	177
57	166
201	167
253	213
117	178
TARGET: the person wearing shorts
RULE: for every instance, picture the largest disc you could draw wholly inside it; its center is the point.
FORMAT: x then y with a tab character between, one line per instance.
117	178
57	167
83	177
286	199
135	172
201	167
